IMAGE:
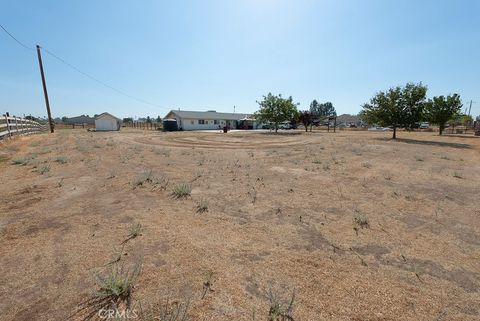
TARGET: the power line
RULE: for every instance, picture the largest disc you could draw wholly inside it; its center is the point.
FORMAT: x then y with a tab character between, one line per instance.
143	101
99	81
18	41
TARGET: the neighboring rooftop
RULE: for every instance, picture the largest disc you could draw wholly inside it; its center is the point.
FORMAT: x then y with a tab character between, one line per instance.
207	115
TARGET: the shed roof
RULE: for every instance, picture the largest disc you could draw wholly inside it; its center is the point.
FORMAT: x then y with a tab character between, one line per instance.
106	115
207	115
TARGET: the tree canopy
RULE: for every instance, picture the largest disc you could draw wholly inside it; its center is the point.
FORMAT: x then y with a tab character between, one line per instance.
322	111
399	107
441	109
276	109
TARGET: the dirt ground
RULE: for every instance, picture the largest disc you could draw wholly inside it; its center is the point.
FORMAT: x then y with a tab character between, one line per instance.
362	227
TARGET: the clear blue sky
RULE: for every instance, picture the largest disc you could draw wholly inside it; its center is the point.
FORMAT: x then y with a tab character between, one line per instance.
214	54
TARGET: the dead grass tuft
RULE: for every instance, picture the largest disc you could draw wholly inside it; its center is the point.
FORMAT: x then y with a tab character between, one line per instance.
280	309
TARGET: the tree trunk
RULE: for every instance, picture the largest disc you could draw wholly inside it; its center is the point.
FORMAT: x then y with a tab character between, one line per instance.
276	129
441	129
306	128
394	133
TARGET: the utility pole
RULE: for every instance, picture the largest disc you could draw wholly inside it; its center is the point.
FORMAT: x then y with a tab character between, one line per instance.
470	109
50	121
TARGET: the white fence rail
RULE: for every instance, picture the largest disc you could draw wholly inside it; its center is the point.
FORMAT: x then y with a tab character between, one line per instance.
13	126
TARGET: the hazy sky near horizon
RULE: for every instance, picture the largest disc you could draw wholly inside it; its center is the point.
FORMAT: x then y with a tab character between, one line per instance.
214	54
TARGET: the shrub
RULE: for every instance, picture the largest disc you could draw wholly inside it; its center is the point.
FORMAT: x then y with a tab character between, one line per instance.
61	159
202	206
148	176
117	284
20	161
45	169
182	190
361	220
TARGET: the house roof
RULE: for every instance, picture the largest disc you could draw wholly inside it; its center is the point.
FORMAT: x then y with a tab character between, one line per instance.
108	115
80	120
212	115
347	118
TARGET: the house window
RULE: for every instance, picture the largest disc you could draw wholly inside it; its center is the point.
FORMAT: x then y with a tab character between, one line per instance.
192	122
201	122
215	122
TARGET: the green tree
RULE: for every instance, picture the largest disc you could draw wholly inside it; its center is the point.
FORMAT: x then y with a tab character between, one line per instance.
128	120
441	109
413	104
149	120
322	111
159	119
398	107
276	109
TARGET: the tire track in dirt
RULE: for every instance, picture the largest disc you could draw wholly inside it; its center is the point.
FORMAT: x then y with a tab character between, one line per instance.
220	141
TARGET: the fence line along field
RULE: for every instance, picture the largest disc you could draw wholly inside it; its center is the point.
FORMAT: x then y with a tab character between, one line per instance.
240	226
13	126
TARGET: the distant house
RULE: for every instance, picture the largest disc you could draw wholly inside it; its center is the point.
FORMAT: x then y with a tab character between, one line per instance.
79	120
347	120
197	120
107	122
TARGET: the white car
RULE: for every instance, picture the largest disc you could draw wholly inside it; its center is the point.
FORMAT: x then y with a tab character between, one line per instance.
424	125
379	129
285	125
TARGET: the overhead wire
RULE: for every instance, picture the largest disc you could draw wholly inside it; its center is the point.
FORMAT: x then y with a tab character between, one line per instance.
63	61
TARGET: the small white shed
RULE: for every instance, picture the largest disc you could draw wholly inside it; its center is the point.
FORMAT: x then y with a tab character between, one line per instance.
106	122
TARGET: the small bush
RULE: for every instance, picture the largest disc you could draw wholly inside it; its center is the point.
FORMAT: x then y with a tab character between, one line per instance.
44	169
182	190
202	206
148	176
25	160
20	161
361	220
61	159
458	175
117	284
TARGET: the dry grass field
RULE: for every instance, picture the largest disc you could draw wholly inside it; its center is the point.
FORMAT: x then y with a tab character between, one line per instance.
360	227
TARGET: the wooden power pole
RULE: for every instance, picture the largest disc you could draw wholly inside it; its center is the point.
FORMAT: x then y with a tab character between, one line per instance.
45	93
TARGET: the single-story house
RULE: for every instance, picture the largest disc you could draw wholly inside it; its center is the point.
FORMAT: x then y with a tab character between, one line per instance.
79	120
107	122
198	120
347	120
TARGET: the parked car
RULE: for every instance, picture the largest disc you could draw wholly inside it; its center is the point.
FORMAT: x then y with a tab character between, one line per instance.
266	126
285	125
424	125
379	129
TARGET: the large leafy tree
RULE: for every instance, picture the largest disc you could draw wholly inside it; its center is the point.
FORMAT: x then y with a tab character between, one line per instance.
441	109
399	107
276	109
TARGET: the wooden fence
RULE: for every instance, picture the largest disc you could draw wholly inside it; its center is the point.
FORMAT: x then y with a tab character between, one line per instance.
143	125
13	126
73	126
